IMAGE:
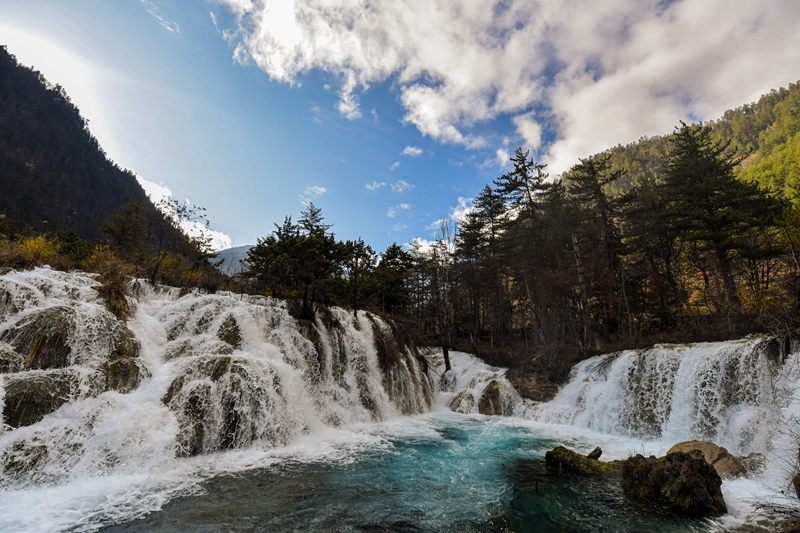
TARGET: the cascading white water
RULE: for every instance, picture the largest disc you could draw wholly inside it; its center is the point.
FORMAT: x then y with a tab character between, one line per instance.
214	372
733	393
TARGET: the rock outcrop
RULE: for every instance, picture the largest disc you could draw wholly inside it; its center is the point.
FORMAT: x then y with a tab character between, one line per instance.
727	466
489	404
683	482
29	396
43	338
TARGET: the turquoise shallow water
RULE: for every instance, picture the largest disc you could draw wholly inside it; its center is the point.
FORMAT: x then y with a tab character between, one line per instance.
437	473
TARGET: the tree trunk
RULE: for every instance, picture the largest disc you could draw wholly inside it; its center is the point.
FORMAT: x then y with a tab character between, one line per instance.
587	332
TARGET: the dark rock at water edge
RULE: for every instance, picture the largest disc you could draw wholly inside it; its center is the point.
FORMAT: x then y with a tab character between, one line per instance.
567	460
595	454
727	466
683	482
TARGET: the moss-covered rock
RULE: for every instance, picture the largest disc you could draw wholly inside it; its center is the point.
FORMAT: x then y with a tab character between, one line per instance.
463	402
10	361
194	347
43	338
123	374
727	466
230	333
21	458
29	396
684	482
567	460
489	404
125	344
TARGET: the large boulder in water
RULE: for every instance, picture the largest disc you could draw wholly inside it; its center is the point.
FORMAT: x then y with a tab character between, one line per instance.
684	482
567	460
726	465
29	396
123	374
489	404
43	337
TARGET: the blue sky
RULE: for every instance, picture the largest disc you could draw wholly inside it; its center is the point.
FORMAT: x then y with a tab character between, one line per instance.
388	115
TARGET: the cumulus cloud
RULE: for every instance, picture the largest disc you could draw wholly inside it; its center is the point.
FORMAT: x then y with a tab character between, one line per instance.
593	74
375	185
394	165
412	151
401	186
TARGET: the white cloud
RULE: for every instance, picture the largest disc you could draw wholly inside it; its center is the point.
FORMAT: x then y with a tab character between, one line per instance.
158	193
598	73
374	186
412	151
310	192
529	130
457	214
393	212
401	186
460	211
501	159
394	165
168	24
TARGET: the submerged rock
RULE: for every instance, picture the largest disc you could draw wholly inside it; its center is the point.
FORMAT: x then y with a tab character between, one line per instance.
10	361
122	374
727	466
222	402
29	396
754	463
684	482
463	402
125	343
565	459
43	338
230	333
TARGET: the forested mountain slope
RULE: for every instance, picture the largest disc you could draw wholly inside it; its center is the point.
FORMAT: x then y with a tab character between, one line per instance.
765	134
53	174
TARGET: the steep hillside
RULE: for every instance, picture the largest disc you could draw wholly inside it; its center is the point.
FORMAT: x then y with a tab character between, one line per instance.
765	133
53	174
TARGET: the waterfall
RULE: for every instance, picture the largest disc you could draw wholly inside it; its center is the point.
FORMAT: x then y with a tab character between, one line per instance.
84	395
735	393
